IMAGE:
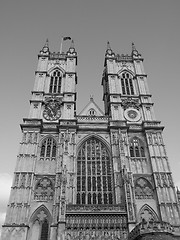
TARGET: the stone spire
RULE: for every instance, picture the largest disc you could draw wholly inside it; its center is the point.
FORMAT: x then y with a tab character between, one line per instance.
45	49
109	51
108	46
72	44
134	50
71	50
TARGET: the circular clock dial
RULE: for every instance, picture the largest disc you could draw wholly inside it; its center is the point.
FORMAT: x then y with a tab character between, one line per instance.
132	115
52	111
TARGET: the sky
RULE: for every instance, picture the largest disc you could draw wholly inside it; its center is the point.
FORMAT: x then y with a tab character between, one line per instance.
154	27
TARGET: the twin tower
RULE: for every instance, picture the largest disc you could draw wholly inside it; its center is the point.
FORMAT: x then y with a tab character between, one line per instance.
97	175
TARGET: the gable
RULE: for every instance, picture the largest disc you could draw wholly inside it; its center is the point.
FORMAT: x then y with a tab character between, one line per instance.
91	109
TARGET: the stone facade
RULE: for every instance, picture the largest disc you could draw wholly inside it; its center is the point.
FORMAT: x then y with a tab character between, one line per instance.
94	175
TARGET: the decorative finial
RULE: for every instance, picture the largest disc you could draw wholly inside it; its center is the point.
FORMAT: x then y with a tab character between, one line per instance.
133	46
108	46
47	43
72	44
45	49
91	98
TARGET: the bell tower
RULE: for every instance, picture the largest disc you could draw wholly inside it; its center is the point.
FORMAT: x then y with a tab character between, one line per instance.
36	208
137	142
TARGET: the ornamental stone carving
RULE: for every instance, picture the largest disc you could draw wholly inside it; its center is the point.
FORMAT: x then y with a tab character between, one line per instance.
130	103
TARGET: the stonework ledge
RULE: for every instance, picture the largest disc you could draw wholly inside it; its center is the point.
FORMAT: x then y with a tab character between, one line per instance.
116	208
153	230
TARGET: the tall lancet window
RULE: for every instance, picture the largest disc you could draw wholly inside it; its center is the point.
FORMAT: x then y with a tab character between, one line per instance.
136	148
48	149
55	82
127	84
138	159
94	174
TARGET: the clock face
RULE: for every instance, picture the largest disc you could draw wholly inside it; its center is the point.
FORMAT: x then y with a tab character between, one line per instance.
52	111
132	115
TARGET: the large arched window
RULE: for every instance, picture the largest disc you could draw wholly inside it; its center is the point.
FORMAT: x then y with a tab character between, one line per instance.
55	82
48	149
94	174
127	84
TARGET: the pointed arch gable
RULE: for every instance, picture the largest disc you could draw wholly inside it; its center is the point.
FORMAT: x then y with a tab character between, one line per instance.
40	221
84	139
34	215
59	68
147	214
125	70
138	138
44	138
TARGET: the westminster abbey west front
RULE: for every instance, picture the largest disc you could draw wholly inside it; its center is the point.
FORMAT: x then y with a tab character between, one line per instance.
97	175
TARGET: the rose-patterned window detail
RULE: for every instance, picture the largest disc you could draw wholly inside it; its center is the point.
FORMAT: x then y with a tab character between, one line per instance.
127	84
44	190
55	82
48	149
94	174
143	189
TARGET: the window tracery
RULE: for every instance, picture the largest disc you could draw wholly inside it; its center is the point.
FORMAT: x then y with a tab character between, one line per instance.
48	149
136	148
138	158
94	174
127	84
55	82
143	189
40	227
44	190
92	112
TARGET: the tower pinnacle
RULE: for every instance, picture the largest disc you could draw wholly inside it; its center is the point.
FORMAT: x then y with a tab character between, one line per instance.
108	46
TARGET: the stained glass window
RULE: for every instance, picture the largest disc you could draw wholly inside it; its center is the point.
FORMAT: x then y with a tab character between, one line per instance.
94	174
55	82
48	149
127	84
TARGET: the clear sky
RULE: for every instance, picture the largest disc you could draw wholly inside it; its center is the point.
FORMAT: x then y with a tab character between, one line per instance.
153	25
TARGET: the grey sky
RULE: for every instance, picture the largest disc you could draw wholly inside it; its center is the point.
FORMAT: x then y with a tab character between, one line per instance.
153	25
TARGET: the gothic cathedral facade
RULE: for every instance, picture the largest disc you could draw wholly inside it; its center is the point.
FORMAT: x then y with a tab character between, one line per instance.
95	175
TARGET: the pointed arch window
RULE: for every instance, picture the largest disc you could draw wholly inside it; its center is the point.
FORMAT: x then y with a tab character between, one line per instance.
94	174
55	82
136	148
127	84
139	163
39	230
48	149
